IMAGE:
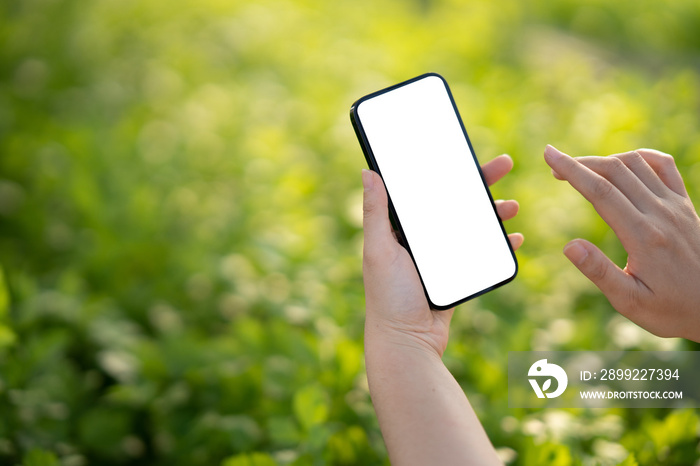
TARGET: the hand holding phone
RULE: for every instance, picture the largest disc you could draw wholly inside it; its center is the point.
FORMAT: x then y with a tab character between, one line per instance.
413	137
422	410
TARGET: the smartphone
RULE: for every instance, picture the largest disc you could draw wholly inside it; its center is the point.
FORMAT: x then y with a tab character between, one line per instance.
441	207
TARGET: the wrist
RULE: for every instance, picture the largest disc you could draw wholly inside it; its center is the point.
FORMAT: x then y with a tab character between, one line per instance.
383	340
394	357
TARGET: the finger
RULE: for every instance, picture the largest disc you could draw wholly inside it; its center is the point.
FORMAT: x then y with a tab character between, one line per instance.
507	209
615	283
665	166
497	168
609	202
641	168
516	240
636	164
616	171
657	166
378	232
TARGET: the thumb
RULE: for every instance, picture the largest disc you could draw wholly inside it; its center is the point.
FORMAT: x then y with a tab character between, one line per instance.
615	283
376	224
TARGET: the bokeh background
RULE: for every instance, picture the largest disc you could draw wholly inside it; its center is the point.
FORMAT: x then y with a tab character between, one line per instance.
180	219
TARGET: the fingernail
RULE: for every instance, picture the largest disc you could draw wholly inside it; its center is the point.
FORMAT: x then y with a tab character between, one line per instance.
575	252
552	153
367	179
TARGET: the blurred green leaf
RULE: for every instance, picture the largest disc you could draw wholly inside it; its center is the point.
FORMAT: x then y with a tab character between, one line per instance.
38	457
250	459
283	431
348	447
7	336
4	296
311	405
629	461
103	429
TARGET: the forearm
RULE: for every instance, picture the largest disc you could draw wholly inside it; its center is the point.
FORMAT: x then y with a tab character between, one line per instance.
424	415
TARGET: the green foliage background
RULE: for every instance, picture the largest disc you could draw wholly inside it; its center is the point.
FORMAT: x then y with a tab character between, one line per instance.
180	225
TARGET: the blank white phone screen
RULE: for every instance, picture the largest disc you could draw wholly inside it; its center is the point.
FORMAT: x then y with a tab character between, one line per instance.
439	197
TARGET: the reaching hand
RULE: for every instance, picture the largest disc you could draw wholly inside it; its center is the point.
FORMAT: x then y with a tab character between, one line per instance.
396	304
642	197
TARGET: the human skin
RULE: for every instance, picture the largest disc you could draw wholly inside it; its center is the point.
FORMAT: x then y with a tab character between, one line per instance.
642	197
423	413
